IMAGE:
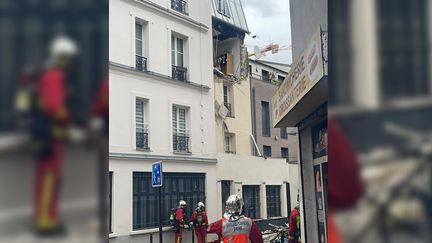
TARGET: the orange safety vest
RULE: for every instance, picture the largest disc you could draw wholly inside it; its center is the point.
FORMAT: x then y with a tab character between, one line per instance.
236	231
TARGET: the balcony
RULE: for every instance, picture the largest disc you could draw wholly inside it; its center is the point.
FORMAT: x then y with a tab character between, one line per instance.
229	108
179	73
140	63
179	6
142	140
181	142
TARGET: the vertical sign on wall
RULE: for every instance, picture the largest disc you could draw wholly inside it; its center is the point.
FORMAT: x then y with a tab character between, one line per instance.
157	181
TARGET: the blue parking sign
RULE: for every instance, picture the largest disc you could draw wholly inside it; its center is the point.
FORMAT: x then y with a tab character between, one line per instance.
157	174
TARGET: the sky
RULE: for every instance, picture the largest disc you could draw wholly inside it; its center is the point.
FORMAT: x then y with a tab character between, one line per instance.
270	21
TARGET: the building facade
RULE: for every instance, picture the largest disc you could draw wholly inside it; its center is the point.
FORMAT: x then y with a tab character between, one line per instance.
161	109
266	184
301	101
270	141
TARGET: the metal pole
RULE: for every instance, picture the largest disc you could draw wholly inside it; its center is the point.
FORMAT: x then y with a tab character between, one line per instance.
151	238
193	236
160	215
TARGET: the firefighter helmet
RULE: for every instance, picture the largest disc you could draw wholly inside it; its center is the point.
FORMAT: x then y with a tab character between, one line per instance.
201	205
63	46
233	207
182	204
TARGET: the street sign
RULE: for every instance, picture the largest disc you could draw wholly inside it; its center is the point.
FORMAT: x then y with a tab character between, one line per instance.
157	178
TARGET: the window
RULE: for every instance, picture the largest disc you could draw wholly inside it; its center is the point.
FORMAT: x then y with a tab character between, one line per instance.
140	60
403	58
265	75
226	192
265	115
284	153
177	45
179	72
226	96
222	7
141	132
250	69
180	131
267	151
273	201
251	197
229	143
179	6
284	133
110	178
281	78
177	186
340	51
288	197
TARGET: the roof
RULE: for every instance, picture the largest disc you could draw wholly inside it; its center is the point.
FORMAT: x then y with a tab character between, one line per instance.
237	17
273	65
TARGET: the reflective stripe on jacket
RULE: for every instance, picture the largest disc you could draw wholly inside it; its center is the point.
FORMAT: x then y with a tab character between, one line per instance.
236	231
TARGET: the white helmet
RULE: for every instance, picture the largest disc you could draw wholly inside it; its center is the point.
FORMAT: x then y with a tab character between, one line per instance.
201	205
182	203
63	46
233	207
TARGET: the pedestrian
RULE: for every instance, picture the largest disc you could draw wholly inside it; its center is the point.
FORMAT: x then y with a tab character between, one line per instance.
234	227
199	221
294	235
49	121
181	221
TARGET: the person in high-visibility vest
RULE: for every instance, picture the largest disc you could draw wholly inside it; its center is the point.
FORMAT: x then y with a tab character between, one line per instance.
234	227
199	221
49	120
294	226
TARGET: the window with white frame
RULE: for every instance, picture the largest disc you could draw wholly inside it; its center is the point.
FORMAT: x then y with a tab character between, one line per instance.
140	59
181	137
251	197
223	7
227	100
273	201
229	143
141	127
177	49
284	152
179	71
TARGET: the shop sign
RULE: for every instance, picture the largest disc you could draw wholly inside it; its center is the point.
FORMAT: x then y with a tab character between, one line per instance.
306	71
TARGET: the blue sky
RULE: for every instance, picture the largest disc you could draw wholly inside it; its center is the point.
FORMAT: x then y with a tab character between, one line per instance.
270	20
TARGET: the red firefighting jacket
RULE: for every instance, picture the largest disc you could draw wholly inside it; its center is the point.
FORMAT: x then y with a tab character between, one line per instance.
294	226
199	220
52	94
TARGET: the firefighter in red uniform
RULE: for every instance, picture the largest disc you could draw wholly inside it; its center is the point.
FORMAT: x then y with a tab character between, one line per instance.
234	227
294	226
345	188
181	221
50	118
199	221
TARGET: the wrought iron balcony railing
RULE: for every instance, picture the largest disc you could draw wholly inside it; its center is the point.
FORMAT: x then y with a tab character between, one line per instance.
140	63
181	142
179	73
142	140
179	6
228	106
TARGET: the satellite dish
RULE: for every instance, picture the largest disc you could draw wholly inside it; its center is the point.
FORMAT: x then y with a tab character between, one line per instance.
258	53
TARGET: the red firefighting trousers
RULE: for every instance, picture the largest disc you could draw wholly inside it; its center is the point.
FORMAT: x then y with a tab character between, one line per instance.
48	174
